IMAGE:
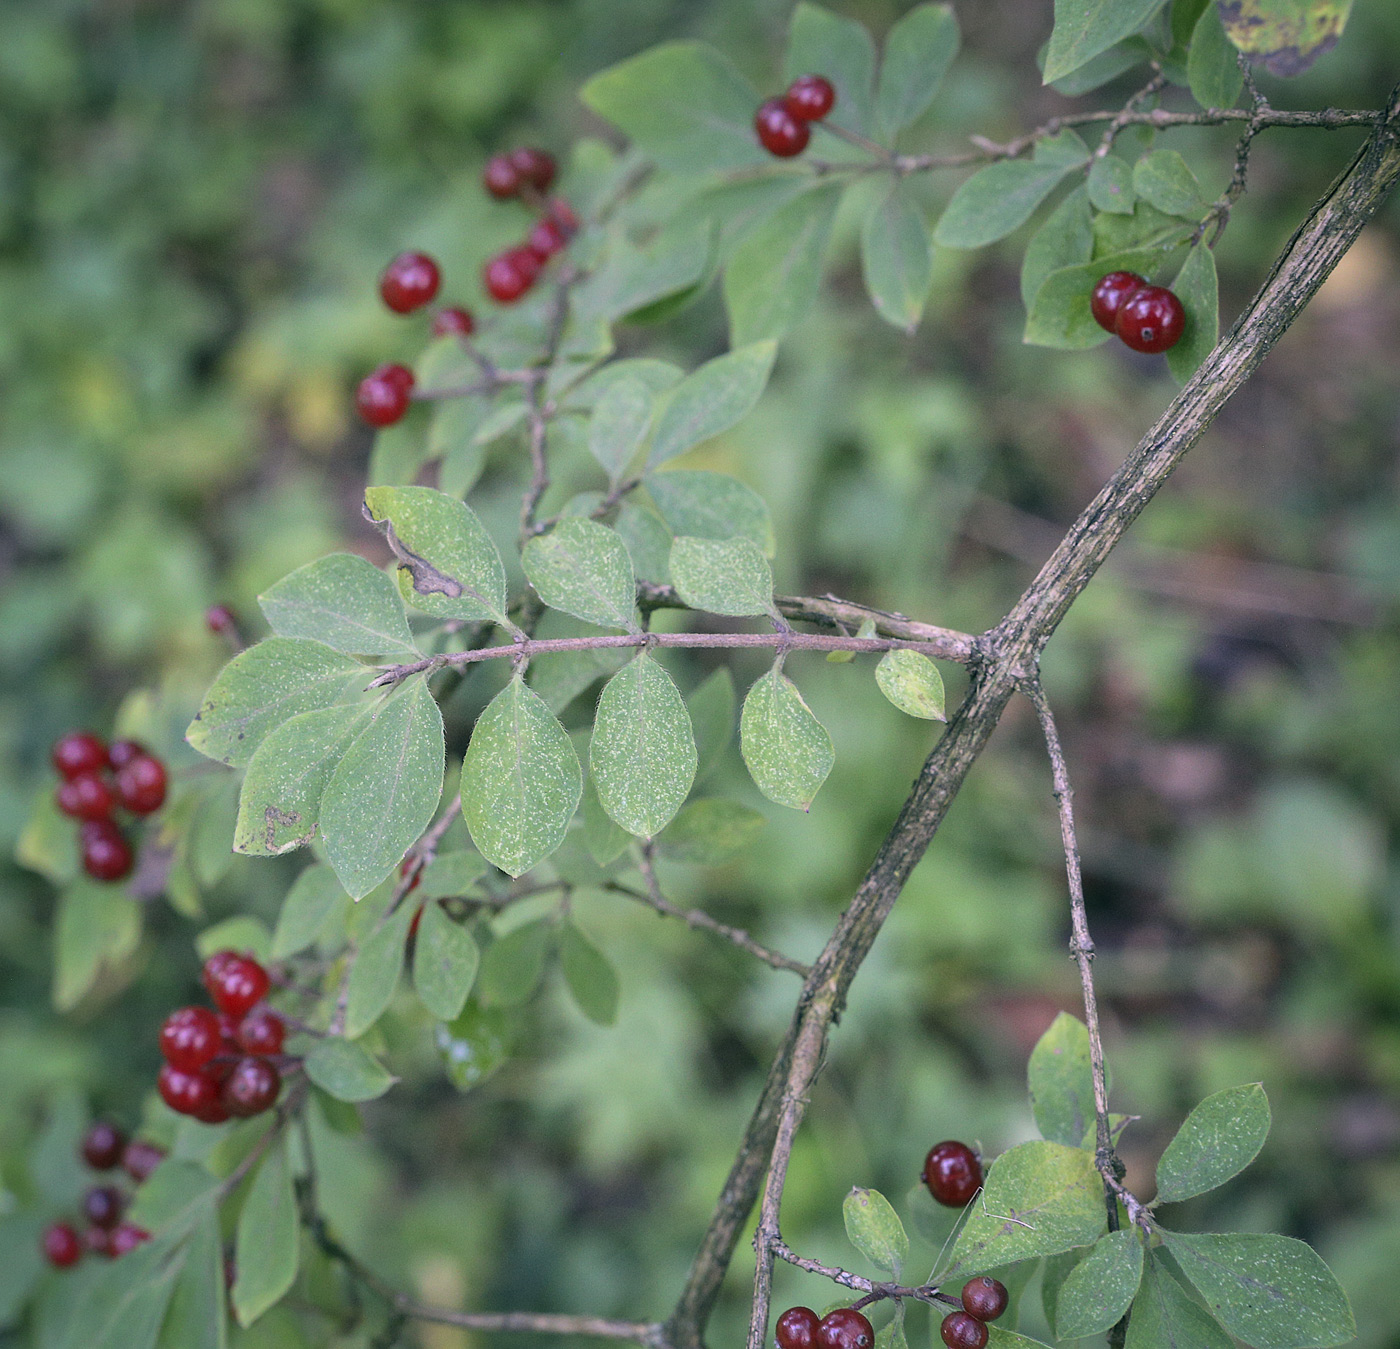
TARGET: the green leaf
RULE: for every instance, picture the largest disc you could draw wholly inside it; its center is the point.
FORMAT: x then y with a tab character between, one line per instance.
896	255
1058	1268
874	1229
347	1071
1165	1317
710	831
513	965
445	961
374	975
823	43
521	780
314	896
1101	1287
178	1195
1002	197
266	1251
711	506
722	576
1110	186
918	51
642	757
264	686
786	749
775	273
384	791
1062	1082
1107	65
1084	28
97	924
1164	179
48	843
1184	17
583	568
891	1335
590	976
912	683
474	1045
243	932
125	1305
1060	315
648	541
635	282
448	565
20	1263
560	677
1272	1292
1286	35
448	875
1219	1138
712	707
684	105
1066	239
343	602
998	1337
715	397
1146	229
620	422
1212	64
1197	289
605	839
1040	1199
197	1317
280	801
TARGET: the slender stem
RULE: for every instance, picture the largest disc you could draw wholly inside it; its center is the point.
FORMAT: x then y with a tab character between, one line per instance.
875	1290
860	142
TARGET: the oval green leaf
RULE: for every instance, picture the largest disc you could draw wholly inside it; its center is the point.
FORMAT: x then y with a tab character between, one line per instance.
1101	1287
343	601
912	683
874	1229
1219	1138
786	749
347	1071
445	962
583	568
722	576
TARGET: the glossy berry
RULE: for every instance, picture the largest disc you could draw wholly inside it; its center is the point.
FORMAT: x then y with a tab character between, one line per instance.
454	320
1151	320
186	1093
526	262
779	132
219	619
102	1146
141	1158
810	97
190	1038
123	752
382	397
252	1087
1106	299
261	1032
127	1237
409	282
62	1246
797	1329
103	1205
500	177
844	1328
107	855
952	1173
536	167
141	785
985	1298
961	1331
504	279
85	797
213	969
238	985
545	239
78	752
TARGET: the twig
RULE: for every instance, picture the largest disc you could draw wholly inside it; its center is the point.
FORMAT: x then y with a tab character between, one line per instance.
875	1290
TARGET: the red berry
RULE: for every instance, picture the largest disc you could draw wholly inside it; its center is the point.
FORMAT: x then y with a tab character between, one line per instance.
186	1093
214	967
239	984
107	855
536	167
252	1087
141	785
797	1329
85	797
504	279
563	215
1151	320
961	1331
127	1237
952	1173
810	97
62	1246
1107	297
141	1158
409	282
228	1034
102	1206
779	132
78	752
454	319
102	1146
845	1328
526	262
219	619
262	1032
500	177
985	1298
383	396
545	239
190	1038
123	752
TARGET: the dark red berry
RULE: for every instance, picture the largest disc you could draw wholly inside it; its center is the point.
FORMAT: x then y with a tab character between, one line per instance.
97	1241
85	797
241	982
952	1173
985	1298
536	167
78	752
500	177
504	279
844	1328
127	1237
810	97
797	1329
141	1158
961	1331
102	1146
219	619
214	967
455	320
409	282
107	855
526	262
262	1032
215	1112
545	239
228	1034
1106	299
123	752
186	1093
564	216
383	396
190	1038
779	132
141	785
62	1246
252	1087
1151	320
103	1205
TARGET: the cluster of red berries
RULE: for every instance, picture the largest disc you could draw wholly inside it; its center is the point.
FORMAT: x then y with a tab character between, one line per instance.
224	1064
526	173
98	780
844	1328
1146	318
983	1300
104	1147
784	125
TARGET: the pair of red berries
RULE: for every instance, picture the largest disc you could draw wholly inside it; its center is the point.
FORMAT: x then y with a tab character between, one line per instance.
509	275
1146	318
219	1065
410	281
844	1328
983	1300
97	780
784	125
527	171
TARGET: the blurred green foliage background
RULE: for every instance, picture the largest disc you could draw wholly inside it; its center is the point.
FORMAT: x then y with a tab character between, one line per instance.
195	201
